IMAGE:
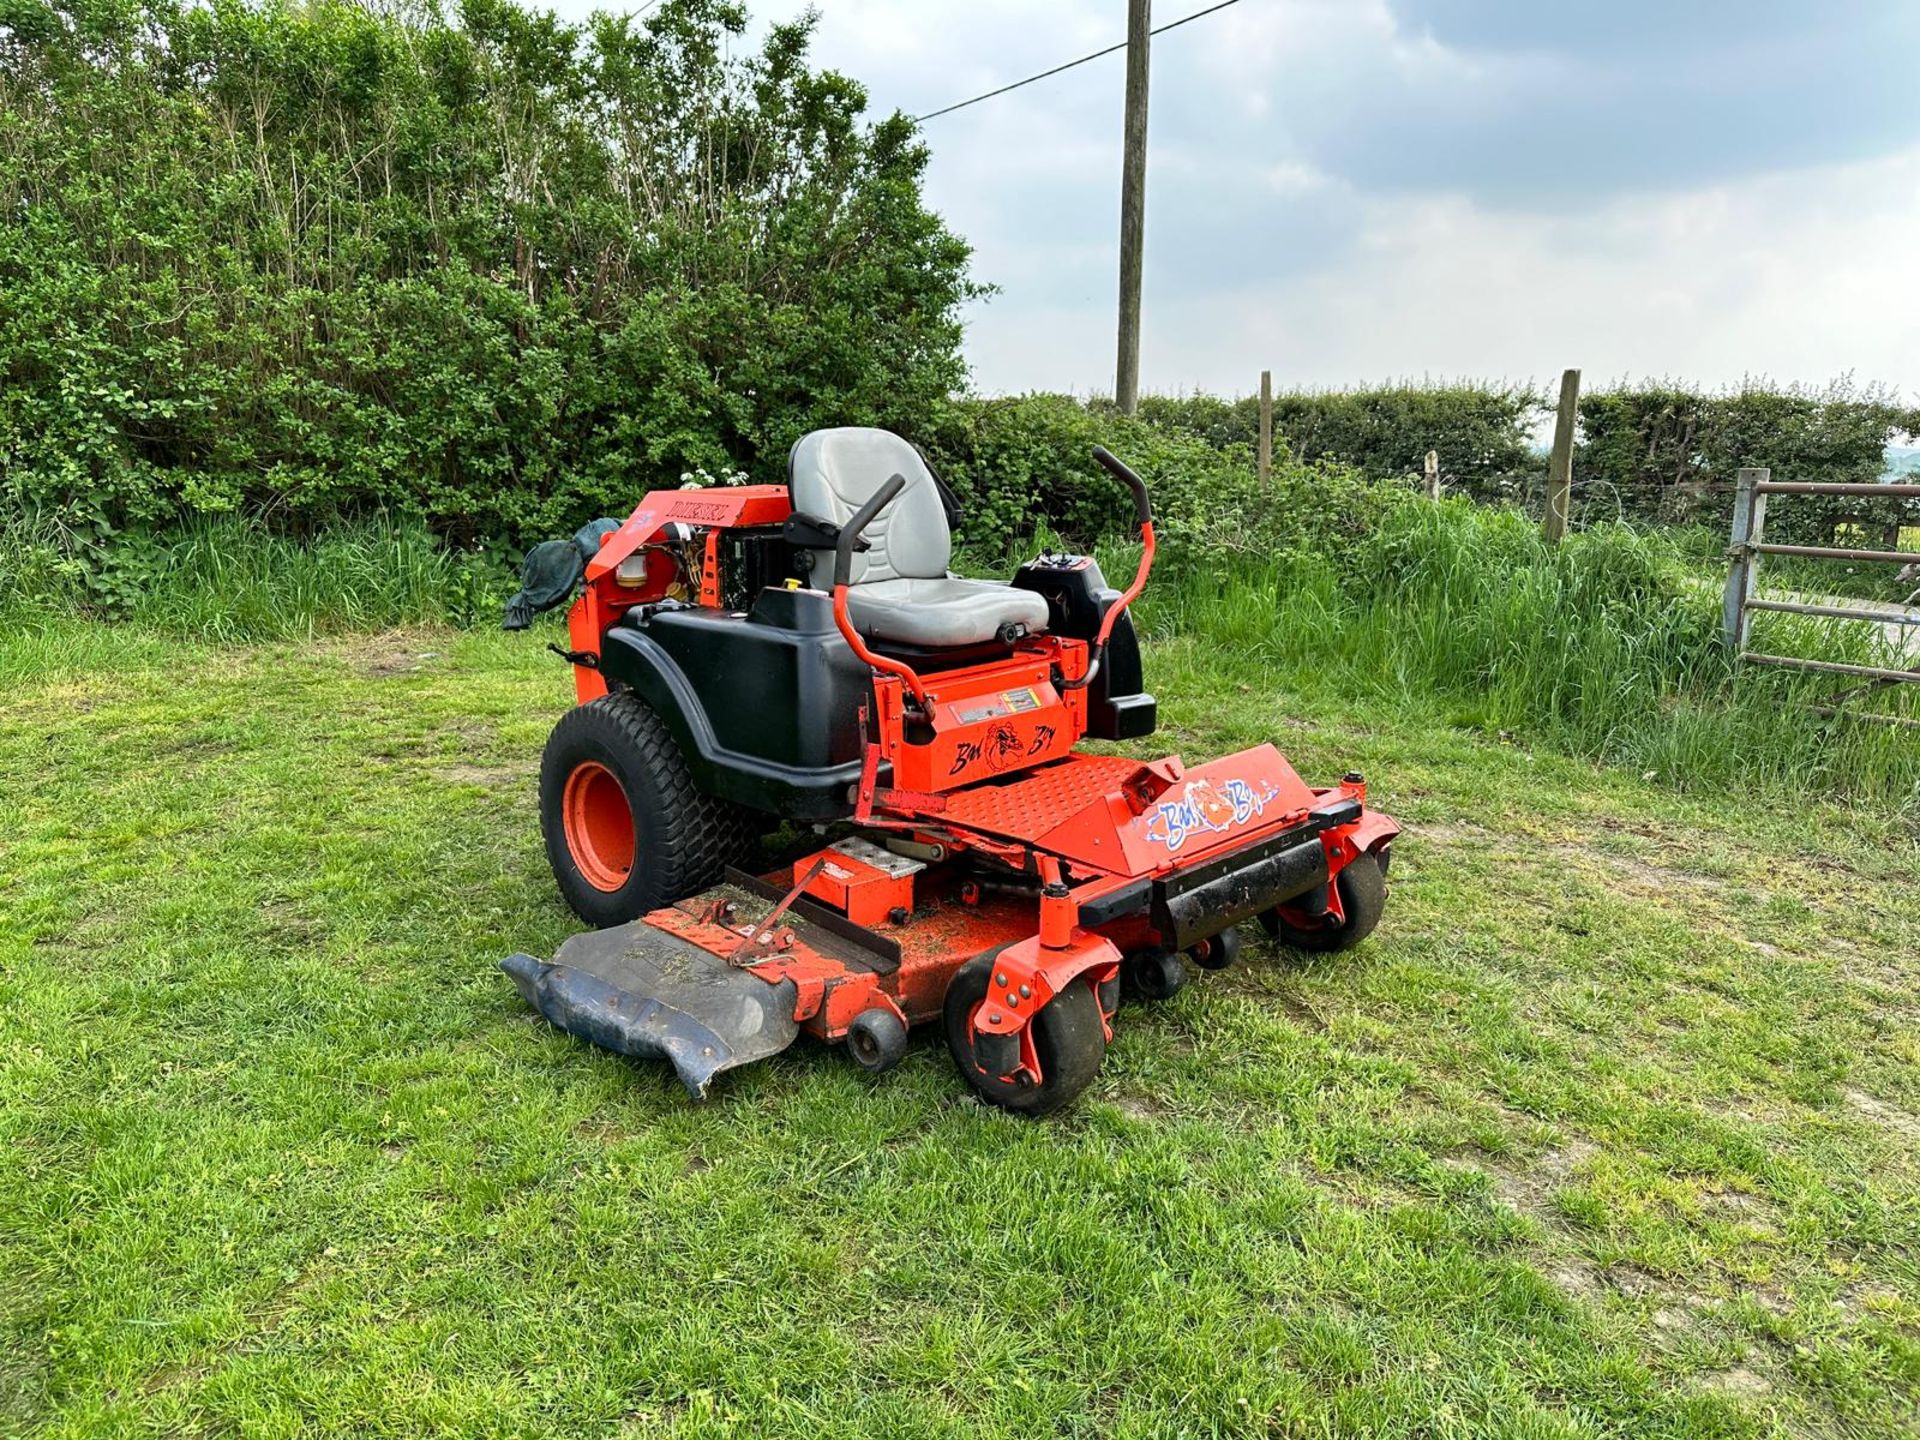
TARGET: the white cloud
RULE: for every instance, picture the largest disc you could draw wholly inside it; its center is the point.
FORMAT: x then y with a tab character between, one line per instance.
1801	277
1295	178
1342	194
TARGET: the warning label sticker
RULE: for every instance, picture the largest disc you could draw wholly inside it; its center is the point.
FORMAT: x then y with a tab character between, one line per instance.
1019	700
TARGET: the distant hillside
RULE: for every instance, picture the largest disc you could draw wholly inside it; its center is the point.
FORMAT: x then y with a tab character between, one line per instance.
1902	460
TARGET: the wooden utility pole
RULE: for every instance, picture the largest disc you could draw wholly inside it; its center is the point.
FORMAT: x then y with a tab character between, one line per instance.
1560	469
1133	206
1266	426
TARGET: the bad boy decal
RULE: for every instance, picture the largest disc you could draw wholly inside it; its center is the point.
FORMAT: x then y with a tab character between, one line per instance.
1206	806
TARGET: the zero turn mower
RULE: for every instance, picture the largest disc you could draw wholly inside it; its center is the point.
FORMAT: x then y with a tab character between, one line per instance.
757	654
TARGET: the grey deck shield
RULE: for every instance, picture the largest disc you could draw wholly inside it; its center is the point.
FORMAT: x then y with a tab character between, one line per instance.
639	991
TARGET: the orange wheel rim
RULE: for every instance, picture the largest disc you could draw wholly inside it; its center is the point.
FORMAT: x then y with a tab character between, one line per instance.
599	826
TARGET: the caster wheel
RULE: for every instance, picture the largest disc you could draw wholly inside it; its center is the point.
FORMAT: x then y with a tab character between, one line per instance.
876	1039
1069	1040
1363	895
1217	952
1153	974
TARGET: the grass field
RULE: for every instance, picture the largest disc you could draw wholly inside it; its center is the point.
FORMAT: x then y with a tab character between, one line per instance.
1613	1129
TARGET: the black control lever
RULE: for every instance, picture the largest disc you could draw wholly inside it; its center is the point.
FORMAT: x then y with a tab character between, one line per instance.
850	532
1123	472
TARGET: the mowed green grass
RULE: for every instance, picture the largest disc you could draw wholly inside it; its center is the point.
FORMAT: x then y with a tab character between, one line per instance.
1613	1129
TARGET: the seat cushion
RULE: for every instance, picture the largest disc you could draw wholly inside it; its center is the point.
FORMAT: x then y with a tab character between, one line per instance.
942	612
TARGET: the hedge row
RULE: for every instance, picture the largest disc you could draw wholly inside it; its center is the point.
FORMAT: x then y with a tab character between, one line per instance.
1482	433
1657	453
1021	463
1671	454
310	258
314	257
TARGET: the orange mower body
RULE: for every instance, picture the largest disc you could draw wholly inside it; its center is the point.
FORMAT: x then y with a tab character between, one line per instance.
960	858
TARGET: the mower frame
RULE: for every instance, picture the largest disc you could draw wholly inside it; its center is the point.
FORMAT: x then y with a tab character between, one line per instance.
977	827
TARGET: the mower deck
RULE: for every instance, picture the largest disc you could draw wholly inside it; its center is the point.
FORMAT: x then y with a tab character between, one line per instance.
685	983
733	974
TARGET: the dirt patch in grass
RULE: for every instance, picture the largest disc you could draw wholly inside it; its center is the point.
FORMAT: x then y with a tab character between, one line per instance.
1654	876
1887	1117
386	666
1299	1011
1893	973
171	1376
1266	980
74	697
1138	1107
1449	832
387	654
1528	1186
23	1378
1866	1298
1573	1275
1738	1205
1651	873
287	926
1739	1382
488	776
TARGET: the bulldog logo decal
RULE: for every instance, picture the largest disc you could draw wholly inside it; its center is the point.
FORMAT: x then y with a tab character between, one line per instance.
1206	806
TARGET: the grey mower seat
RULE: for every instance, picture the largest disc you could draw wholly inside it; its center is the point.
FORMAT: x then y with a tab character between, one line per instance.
900	589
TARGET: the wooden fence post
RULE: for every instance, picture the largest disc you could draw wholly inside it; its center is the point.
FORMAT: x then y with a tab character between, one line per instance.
1266	427
1433	474
1749	525
1560	471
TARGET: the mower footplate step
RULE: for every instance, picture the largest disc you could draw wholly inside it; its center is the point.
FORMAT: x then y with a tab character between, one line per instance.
639	991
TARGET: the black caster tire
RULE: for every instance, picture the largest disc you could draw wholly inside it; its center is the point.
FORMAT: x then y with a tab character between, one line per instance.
877	1040
1363	895
626	829
1069	1039
1153	974
1217	952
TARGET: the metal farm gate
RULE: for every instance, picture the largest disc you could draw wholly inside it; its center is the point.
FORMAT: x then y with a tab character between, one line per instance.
1749	545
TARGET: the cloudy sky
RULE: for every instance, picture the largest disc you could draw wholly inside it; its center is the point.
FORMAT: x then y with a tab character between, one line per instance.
1347	190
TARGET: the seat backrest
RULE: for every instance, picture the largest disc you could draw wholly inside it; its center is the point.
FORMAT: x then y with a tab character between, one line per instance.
832	473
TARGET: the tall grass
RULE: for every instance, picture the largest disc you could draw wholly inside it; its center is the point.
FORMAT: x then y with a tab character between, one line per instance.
234	578
1606	647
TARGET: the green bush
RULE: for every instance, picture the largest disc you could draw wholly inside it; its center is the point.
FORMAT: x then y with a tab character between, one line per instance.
1670	454
319	259
1024	463
1481	432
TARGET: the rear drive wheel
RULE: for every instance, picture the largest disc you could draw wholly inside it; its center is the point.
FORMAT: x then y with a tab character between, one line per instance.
626	830
1069	1040
1362	885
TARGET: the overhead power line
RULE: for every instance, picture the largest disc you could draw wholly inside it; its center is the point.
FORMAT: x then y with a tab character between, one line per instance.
1046	74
